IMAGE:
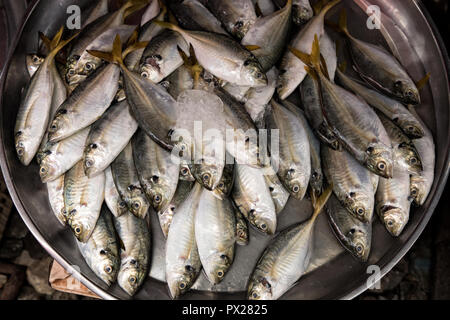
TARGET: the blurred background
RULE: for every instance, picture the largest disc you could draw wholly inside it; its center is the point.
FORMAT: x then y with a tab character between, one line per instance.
423	274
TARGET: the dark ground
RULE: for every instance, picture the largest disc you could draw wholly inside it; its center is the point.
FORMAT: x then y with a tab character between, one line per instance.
423	274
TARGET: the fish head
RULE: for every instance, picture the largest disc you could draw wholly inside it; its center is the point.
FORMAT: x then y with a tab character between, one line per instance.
82	228
131	275
360	205
158	194
411	128
107	264
407	91
151	68
417	189
394	219
59	124
301	14
241	232
253	73
359	242
48	169
24	147
138	203
264	219
33	62
316	180
240	28
296	182
207	175
86	65
409	153
93	153
71	75
185	173
380	160
216	265
259	289
180	279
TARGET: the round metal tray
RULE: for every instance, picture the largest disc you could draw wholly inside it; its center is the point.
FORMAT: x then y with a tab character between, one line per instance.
333	274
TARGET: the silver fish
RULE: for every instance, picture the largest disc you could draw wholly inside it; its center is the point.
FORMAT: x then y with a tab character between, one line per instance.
166	216
108	137
242	234
127	183
215	233
354	235
86	103
161	56
393	201
101	251
294	163
62	156
292	70
252	197
421	184
152	11
280	195
285	260
225	185
353	185
223	57
135	249
55	190
302	11
391	108
270	34
183	263
112	197
158	172
405	152
236	15
83	198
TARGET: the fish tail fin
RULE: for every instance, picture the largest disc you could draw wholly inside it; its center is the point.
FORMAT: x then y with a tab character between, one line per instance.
329	6
47	42
319	203
191	63
318	6
342	66
343	25
57	44
315	54
163	8
131	6
252	47
422	82
168	25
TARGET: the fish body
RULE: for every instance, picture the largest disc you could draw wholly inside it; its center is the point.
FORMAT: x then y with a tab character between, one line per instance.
112	197
55	190
280	195
101	251
127	183
108	137
83	198
215	234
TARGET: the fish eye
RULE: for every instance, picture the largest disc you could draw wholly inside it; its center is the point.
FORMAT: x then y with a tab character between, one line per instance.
182	285
315	175
360	211
398	84
370	149
89	163
155	179
271	189
54	127
251	213
157	199
413	192
259	75
239	24
35	59
145	75
102	252
352	231
71	72
410	128
189	268
220	273
206	177
381	166
20	152
89	66
390	223
108	269
132	280
255	295
246	63
359	248
296	188
122	204
413	160
93	146
184	171
263	226
133	262
43	170
77	230
136	205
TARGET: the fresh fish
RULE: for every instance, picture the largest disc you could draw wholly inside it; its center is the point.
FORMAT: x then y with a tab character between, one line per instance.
316	180
87	63
294	163
152	11
183	263
421	184
62	156
215	234
127	183
101	252
33	62
393	201
179	81
112	197
302	11
83	198
252	197
86	103
353	185
94	30
161	56
285	260
292	70
280	195
166	216
108	137
359	129
55	190
223	57
193	15
225	185
134	235
270	34
185	172
34	110
380	69
242	234
236	15
158	172
391	108
405	152
354	235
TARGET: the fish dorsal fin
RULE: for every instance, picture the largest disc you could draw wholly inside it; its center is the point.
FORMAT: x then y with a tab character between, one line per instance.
422	82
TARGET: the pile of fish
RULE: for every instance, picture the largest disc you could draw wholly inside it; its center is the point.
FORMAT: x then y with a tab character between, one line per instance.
102	115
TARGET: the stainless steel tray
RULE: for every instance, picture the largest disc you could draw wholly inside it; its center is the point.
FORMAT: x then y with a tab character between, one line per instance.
334	274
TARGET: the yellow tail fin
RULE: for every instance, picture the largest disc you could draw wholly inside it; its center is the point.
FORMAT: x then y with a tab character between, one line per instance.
170	26
343	22
131	6
320	202
56	44
191	63
422	82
